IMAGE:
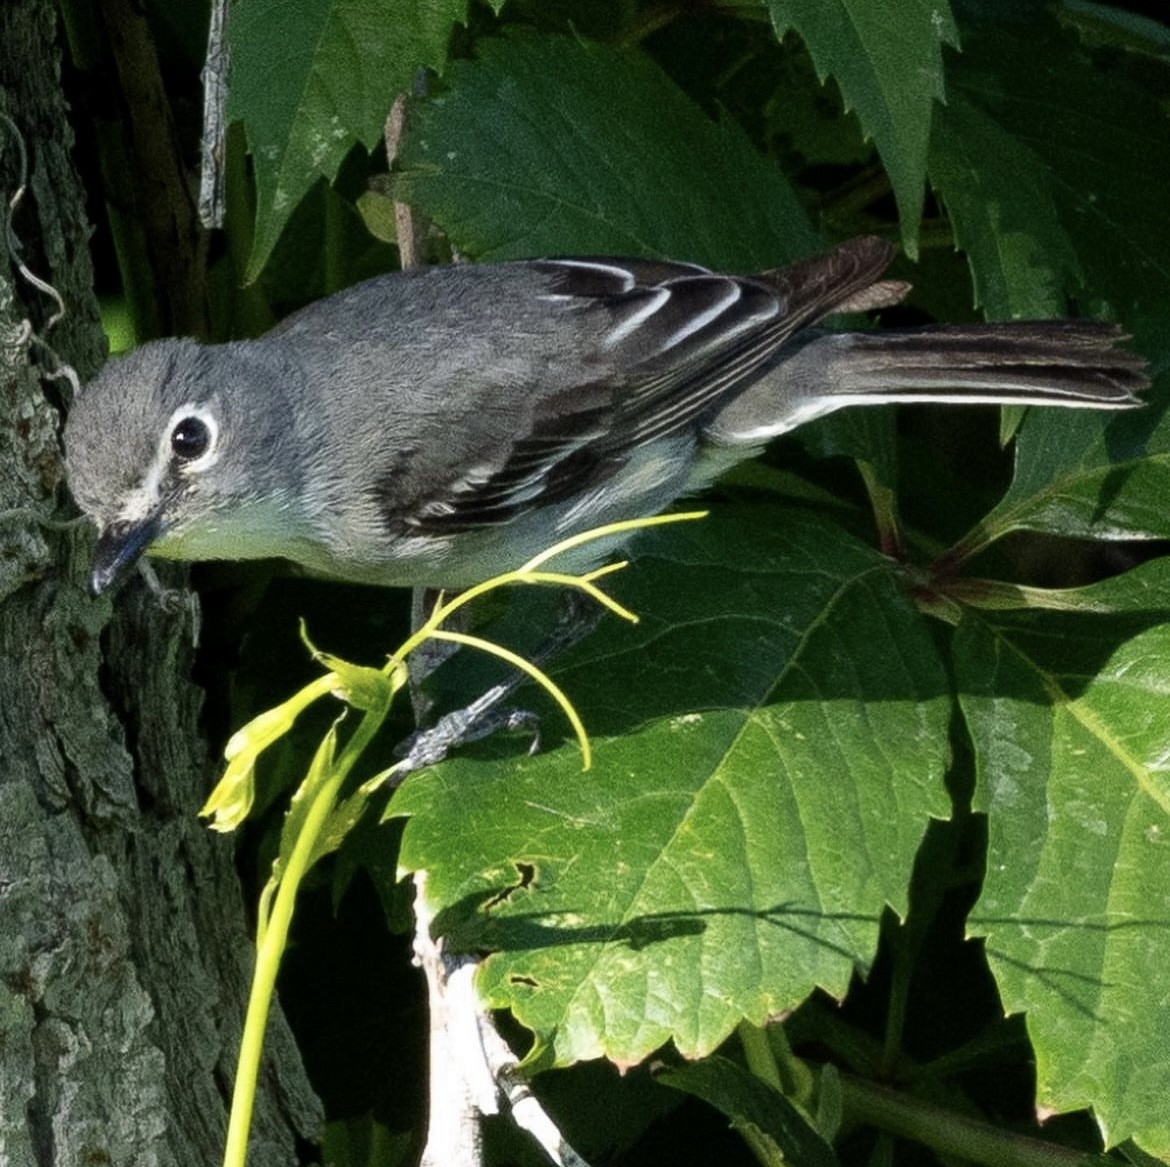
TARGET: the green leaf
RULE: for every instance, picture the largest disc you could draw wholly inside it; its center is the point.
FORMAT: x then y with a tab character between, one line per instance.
768	744
887	60
312	80
754	1105
869	437
1042	156
344	818
1085	475
1144	589
231	800
1068	719
361	686
1085	133
998	194
803	112
548	145
361	1141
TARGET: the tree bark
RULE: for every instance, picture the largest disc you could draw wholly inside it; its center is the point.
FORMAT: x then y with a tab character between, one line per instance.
124	953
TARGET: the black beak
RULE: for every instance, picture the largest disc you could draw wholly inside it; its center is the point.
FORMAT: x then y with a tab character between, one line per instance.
119	548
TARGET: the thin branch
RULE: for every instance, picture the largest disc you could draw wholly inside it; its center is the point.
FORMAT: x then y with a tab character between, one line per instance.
472	1066
213	143
411	226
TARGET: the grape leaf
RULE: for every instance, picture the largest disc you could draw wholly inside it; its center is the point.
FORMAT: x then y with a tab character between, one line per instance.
768	744
1083	475
998	195
887	61
1042	157
547	145
312	80
1068	719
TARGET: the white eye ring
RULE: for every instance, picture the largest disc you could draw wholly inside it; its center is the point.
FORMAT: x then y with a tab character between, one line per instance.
192	438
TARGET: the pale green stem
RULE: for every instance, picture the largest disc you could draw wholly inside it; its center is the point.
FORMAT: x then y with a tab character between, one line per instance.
757	1052
762	1147
995	595
769	1057
885	510
951	1135
275	936
978	539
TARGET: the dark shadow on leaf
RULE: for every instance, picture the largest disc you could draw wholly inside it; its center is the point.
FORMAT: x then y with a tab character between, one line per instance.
1111	487
1127	438
1072	648
1064	982
470	926
1127	434
1058	981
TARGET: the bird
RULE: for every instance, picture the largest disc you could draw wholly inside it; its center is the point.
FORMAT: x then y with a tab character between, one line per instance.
435	427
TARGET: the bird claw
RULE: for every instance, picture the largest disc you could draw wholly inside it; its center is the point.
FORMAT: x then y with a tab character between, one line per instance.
173	601
486	715
474	723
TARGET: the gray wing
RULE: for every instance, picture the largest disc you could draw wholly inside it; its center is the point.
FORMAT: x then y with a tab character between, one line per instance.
672	341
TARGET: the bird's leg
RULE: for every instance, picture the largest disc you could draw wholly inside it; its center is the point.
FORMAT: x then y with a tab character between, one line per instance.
173	601
487	714
480	719
431	653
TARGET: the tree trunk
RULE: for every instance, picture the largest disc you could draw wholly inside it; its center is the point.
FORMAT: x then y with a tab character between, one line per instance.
124	954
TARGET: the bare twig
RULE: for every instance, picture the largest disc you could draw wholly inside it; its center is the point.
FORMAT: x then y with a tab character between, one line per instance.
461	1086
527	1112
213	143
472	1066
411	226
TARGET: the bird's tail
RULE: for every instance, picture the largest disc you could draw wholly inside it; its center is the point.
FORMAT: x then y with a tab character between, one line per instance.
1072	363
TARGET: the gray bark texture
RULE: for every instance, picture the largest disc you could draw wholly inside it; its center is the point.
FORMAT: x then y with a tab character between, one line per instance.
124	953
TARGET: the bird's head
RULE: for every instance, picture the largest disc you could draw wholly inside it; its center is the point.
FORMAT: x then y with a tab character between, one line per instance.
155	454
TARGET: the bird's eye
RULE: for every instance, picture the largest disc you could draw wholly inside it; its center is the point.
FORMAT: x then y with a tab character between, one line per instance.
190	438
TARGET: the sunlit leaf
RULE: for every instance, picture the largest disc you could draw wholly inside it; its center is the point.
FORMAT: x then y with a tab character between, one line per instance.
768	744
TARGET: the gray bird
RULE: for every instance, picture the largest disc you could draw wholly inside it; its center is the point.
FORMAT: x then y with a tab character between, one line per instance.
438	426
